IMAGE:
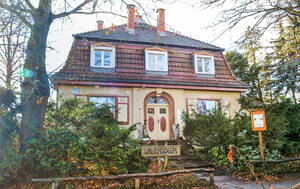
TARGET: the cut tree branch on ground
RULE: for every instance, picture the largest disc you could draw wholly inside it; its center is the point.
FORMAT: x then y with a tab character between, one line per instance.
119	177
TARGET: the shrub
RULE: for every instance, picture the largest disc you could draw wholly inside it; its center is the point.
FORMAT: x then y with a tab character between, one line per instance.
291	114
207	131
217	155
9	159
215	132
82	139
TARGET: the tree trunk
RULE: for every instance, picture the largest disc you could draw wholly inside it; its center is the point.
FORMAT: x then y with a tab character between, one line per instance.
35	85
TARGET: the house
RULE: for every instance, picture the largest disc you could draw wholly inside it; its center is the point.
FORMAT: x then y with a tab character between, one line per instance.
150	75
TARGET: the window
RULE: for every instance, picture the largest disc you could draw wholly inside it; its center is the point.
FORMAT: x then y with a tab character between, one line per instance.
201	106
75	90
102	57
103	100
156	100
119	103
156	61
204	64
99	101
206	106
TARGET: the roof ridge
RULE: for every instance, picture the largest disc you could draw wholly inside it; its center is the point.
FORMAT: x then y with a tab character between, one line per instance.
92	31
171	39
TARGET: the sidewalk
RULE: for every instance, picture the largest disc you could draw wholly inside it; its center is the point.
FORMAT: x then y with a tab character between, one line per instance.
228	182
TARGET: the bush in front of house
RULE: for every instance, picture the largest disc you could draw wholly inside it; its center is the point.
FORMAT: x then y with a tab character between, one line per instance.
77	139
81	139
213	133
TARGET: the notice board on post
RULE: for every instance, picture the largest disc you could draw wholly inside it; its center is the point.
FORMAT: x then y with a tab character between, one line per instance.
258	120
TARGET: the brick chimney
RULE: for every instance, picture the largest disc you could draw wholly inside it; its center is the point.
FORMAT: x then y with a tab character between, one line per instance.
131	12
100	24
161	21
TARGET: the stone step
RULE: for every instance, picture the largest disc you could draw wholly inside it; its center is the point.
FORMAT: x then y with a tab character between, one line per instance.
183	157
197	166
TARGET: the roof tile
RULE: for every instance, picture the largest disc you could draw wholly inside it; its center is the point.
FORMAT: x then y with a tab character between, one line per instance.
144	33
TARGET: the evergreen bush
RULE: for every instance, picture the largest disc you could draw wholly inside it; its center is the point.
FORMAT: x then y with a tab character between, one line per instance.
215	132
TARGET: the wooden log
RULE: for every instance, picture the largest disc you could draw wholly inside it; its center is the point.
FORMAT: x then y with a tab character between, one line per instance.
296	186
119	177
276	161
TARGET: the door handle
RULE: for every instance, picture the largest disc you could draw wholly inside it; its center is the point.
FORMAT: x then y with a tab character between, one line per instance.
158	120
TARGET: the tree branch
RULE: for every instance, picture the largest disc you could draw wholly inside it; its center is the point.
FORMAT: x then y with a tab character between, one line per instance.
30	6
3	80
101	12
15	12
64	14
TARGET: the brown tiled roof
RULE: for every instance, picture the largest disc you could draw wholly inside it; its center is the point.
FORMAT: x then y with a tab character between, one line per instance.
146	34
130	67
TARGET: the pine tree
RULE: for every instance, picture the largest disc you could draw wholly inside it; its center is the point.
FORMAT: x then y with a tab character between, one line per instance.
251	45
239	65
286	61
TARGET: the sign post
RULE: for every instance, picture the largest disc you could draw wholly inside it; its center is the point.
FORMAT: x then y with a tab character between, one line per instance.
261	145
258	120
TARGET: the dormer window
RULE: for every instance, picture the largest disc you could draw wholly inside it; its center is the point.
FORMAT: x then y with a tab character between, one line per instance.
204	64
102	57
156	61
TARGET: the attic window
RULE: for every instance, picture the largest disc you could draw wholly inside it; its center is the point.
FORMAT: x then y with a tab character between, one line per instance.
204	64
156	61
102	57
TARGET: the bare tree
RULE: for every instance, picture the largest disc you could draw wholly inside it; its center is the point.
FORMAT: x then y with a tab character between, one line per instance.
38	17
266	13
12	48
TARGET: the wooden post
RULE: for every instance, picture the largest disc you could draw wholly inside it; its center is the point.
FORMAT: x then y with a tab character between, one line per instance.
211	178
158	157
137	183
166	157
54	185
261	145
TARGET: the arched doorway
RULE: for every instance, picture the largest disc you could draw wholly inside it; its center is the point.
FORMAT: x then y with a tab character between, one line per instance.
159	116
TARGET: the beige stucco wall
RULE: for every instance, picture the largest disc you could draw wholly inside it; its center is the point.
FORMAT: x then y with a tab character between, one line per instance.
137	96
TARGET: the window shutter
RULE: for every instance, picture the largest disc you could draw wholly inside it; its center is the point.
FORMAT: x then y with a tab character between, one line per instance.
191	105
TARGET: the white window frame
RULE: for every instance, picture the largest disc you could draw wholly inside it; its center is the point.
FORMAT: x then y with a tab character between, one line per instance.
99	48
147	60
212	66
